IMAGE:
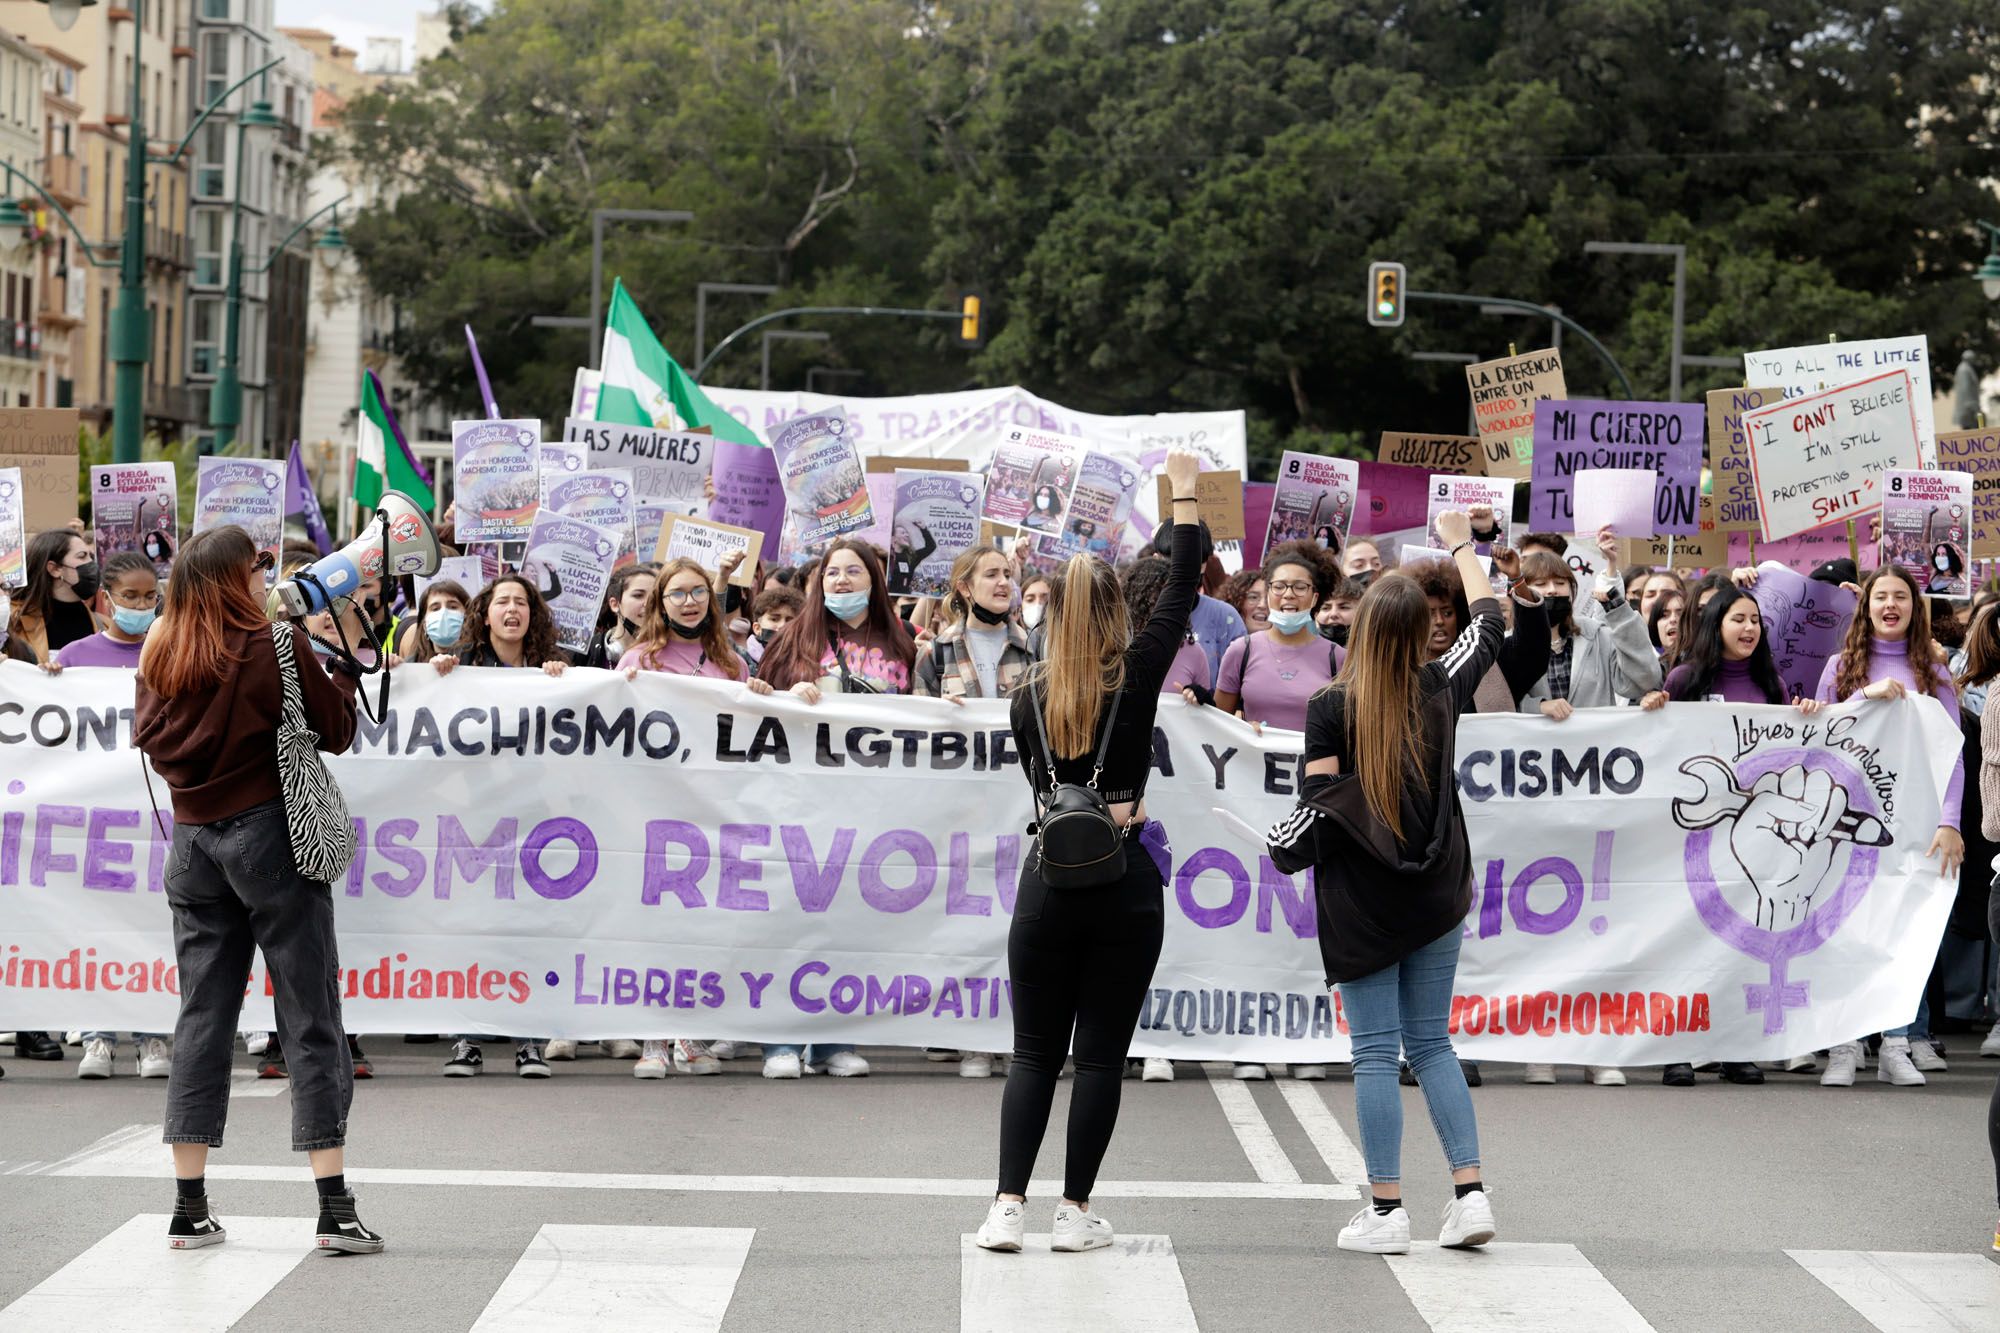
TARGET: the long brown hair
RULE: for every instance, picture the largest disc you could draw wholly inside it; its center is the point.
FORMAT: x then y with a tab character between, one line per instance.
1381	679
1083	653
1982	643
1925	656
655	632
540	644
209	595
795	655
47	548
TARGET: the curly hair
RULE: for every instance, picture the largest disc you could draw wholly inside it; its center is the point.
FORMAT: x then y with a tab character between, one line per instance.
539	646
1141	583
1321	564
1439	580
1925	656
1237	590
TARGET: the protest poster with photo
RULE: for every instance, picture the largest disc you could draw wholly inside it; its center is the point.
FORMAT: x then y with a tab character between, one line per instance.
1029	481
708	544
569	561
496	468
1802	371
1504	394
1448	493
935	519
246	492
1575	434
1824	457
1106	488
647	516
603	496
1315	501
13	530
1731	484
1977	454
136	507
1927	530
668	466
748	493
562	458
823	477
1433	453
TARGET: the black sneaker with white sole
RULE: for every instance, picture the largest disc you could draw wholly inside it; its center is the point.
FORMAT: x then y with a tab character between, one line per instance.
341	1231
465	1060
528	1061
193	1226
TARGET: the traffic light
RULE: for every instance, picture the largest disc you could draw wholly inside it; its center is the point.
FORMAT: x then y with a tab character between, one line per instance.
969	306
1385	295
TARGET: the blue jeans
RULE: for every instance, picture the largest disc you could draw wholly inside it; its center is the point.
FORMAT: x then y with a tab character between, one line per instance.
812	1055
1407	1005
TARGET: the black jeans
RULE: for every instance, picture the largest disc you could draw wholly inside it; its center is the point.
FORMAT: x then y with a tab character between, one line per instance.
234	888
1080	961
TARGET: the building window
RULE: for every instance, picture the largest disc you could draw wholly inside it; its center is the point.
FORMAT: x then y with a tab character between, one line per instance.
208	253
204	334
211	170
215	9
214	62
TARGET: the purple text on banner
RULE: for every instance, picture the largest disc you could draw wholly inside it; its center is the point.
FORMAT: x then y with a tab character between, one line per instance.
1804	620
1575	434
748	493
1257	497
1393	498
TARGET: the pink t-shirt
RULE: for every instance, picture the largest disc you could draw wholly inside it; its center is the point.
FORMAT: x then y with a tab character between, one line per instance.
1281	678
676	657
1189	667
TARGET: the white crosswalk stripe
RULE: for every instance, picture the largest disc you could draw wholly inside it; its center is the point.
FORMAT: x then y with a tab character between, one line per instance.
1253	1132
611	1278
1911	1293
1506	1288
193	1291
1132	1286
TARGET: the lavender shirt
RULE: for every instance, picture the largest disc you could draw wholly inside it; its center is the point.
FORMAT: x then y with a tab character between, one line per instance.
1887	660
100	650
1281	679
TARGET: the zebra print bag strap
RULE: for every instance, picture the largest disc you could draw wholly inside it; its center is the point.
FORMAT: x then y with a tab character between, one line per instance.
316	819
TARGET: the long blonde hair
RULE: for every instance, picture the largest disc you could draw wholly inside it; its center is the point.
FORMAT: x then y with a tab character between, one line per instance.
1386	651
1083	655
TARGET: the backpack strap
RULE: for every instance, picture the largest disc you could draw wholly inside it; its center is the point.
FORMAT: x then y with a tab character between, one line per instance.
1103	744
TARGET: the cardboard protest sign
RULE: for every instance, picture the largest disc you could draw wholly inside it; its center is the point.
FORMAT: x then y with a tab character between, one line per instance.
936	518
708	544
41	442
820	469
1824	457
496	466
569	561
1977	453
604	496
1504	394
1219	495
1579	433
248	493
1316	500
1800	371
748	493
1804	622
1701	550
136	507
13	531
1462	493
1730	481
1433	453
1106	487
1927	528
1258	500
1029	481
668	466
1391	499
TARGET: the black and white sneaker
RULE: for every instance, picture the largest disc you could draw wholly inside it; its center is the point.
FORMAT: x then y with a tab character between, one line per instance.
465	1060
193	1226
341	1231
528	1061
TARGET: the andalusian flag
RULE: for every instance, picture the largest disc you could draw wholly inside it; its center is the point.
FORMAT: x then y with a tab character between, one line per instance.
643	386
382	461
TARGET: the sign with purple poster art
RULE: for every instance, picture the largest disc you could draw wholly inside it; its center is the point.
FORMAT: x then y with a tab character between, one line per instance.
136	507
1315	501
13	536
1805	621
1927	530
935	518
825	481
1029	480
496	467
569	560
1099	509
248	493
604	496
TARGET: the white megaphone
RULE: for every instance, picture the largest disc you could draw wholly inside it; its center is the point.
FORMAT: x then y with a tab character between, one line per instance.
396	542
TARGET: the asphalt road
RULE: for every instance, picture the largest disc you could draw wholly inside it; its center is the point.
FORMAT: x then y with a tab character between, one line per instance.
593	1200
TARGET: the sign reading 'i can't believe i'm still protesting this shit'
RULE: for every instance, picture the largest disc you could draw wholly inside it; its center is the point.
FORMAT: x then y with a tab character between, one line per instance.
1824	457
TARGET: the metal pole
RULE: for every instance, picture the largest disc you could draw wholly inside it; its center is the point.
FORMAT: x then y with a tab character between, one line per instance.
225	397
762	320
703	290
598	217
1680	313
131	330
1464	298
802	335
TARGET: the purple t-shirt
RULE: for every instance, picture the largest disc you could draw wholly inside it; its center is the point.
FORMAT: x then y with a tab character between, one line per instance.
1731	685
100	650
1891	659
1281	677
1189	667
677	657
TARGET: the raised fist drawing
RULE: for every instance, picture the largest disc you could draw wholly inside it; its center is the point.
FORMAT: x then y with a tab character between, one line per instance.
1785	840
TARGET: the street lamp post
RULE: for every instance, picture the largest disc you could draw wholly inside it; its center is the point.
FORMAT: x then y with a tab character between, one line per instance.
598	217
1989	272
1680	256
785	335
225	398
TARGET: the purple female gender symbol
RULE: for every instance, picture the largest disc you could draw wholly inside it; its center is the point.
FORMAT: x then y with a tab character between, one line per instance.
1772	948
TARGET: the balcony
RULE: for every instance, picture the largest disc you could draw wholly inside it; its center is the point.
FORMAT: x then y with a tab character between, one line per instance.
176	402
183	44
169	249
20	339
119	13
63	178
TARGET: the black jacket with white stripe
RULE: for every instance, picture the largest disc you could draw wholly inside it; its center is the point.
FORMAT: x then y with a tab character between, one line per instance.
1381	897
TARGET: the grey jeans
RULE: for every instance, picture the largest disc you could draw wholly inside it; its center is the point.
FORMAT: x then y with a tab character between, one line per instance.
234	888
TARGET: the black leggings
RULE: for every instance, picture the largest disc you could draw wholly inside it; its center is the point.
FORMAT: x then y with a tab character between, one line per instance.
1080	961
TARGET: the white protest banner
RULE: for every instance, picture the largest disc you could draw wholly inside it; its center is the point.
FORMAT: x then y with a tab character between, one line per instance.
570	560
496	469
1977	453
1926	530
136	507
1029	480
1106	488
604	496
709	544
1824	457
1800	371
667	466
935	519
583	392
1449	493
825	482
248	493
1315	500
590	857
13	530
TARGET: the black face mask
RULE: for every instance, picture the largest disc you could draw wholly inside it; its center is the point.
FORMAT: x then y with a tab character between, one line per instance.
694	631
764	636
985	617
88	581
1334	634
1558	609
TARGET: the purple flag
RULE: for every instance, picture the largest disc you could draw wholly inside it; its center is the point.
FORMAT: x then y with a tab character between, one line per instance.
302	502
479	369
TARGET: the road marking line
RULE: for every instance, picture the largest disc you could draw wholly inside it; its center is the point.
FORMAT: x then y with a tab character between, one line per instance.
245	1083
1910	1293
1513	1289
21	1169
1253	1133
1328	1136
163	1290
671	1279
1131	1286
116	1141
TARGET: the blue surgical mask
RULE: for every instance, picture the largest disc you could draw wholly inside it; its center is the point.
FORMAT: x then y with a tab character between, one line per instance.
1290	622
444	627
134	622
846	605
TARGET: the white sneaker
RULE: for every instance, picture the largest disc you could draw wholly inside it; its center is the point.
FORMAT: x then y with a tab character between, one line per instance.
1926	1058
1310	1073
1006	1223
1540	1074
1894	1066
691	1057
74	1037
938	1055
1990	1048
256	1042
559	1049
1840	1064
1251	1073
1605	1076
783	1065
154	1062
621	1049
96	1061
1802	1064
1077	1231
974	1065
1157	1070
844	1064
652	1061
722	1050
1467	1222
1371	1232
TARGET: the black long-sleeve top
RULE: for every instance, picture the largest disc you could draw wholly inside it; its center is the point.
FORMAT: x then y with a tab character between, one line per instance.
1152	651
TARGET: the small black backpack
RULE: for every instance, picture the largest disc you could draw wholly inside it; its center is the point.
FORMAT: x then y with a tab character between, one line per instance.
1078	845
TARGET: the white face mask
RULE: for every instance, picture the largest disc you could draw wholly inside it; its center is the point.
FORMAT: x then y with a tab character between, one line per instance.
1943	564
1031	614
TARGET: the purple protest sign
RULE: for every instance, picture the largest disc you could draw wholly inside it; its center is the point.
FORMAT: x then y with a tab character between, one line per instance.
1575	435
748	493
1257	498
1804	622
1804	552
1393	497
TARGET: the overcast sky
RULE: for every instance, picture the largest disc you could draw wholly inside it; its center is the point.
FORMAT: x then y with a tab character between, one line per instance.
352	22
